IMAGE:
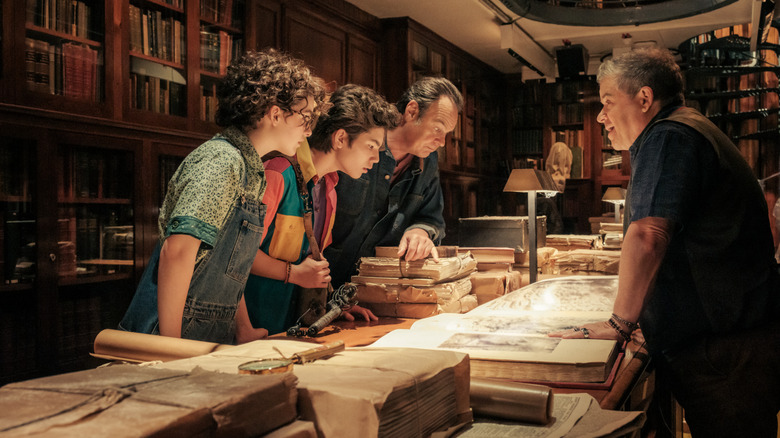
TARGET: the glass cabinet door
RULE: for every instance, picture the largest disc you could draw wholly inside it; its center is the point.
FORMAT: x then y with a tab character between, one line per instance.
95	214
17	211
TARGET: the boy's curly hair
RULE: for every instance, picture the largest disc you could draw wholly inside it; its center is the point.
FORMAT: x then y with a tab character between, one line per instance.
355	109
258	80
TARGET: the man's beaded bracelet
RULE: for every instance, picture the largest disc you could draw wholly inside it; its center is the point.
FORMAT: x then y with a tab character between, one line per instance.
631	325
623	334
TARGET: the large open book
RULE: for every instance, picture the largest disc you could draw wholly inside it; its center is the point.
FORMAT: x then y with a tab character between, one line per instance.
507	338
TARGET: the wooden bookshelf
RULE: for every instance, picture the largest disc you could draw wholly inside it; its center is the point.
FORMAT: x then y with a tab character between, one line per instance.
121	150
740	95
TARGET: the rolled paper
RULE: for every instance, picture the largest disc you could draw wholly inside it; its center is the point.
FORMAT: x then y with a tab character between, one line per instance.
140	347
522	402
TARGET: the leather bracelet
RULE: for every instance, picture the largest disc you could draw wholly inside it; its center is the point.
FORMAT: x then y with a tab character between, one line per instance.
631	325
623	334
288	268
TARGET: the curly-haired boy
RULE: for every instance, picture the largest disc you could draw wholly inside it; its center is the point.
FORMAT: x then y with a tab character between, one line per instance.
211	220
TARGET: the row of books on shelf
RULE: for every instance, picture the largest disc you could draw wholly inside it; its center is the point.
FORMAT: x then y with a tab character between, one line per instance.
526	116
527	141
208	103
527	163
568	91
66	69
739	29
611	159
73	17
88	173
717	107
157	95
178	4
699	83
93	235
568	113
217	50
571	137
527	94
157	34
458	153
227	12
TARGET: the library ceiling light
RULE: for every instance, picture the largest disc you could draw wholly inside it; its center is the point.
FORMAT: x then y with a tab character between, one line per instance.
523	48
610	12
531	181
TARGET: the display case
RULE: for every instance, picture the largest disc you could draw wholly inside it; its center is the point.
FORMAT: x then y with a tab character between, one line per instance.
95	213
18	229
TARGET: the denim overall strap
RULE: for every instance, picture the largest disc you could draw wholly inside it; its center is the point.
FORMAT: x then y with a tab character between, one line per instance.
142	315
218	281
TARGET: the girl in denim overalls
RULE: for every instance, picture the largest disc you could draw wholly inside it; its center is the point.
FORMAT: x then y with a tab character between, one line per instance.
212	220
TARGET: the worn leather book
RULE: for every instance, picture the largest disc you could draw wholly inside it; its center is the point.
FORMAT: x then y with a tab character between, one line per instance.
585	260
567	242
432	272
489	285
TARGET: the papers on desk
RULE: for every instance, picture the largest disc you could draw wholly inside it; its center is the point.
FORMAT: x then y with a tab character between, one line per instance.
575	415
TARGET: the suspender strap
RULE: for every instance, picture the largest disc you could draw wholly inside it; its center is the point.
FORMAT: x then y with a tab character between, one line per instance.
303	192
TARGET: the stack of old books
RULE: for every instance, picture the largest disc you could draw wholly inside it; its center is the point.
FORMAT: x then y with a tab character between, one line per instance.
611	235
391	286
495	275
361	392
587	262
568	242
128	400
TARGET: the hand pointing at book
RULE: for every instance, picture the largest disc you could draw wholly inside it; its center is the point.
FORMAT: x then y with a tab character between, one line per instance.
416	245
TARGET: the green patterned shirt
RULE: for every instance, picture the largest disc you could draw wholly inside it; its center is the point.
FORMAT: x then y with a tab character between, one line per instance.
206	185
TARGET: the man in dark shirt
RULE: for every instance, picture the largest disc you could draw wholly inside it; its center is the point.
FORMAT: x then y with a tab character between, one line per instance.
697	268
398	201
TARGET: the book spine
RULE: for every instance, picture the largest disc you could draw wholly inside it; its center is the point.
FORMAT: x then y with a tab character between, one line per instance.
29	63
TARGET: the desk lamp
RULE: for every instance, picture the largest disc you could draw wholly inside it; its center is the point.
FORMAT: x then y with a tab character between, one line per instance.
616	196
531	181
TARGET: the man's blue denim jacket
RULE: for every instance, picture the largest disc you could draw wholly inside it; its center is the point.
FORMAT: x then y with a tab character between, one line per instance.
370	213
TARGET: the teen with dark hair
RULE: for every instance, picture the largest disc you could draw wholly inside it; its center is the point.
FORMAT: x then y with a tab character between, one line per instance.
348	138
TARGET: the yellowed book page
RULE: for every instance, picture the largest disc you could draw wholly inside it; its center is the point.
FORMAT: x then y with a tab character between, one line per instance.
504	347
